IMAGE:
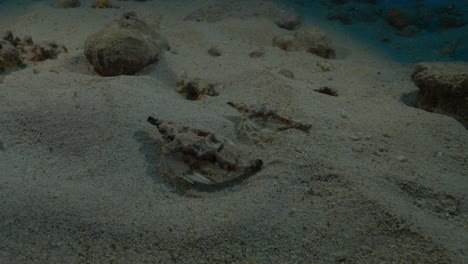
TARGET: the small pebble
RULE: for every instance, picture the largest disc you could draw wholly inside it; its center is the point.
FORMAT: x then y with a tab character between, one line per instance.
215	52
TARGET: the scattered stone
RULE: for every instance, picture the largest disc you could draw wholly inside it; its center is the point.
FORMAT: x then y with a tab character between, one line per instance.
310	39
327	91
215	52
124	47
245	9
256	54
67	3
398	18
443	88
197	89
287	73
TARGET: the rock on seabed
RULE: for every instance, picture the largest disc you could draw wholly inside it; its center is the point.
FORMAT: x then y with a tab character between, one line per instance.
443	88
124	47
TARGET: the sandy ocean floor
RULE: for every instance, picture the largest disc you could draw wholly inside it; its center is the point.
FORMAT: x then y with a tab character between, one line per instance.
375	181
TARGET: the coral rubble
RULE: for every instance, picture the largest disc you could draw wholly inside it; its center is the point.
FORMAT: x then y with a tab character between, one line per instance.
15	51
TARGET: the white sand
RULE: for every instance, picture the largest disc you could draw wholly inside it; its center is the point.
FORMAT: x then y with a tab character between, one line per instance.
375	181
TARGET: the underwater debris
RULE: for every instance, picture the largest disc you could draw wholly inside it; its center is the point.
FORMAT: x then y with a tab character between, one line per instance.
255	118
196	90
125	46
103	4
200	149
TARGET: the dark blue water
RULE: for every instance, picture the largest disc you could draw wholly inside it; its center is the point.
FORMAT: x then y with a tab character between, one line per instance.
437	30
